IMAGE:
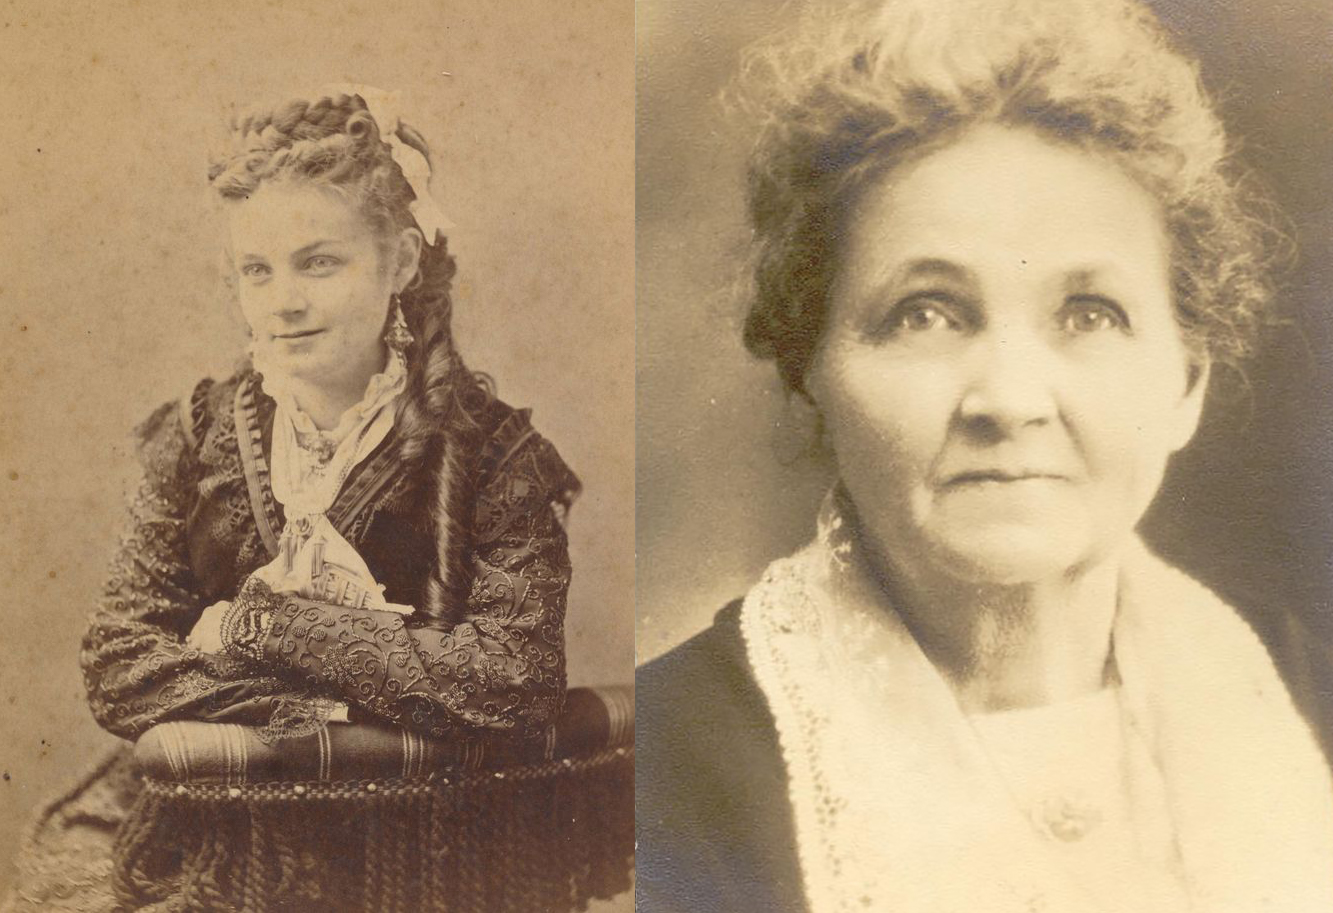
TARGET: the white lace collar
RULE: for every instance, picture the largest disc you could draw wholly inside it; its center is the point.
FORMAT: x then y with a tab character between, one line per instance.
381	388
309	466
897	805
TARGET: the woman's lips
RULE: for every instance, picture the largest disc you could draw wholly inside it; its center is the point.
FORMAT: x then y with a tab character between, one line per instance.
300	334
977	476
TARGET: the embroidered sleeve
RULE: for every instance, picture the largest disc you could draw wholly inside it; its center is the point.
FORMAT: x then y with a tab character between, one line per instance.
501	668
136	666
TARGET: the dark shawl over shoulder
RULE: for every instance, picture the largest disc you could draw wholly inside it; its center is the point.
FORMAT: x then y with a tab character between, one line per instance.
713	821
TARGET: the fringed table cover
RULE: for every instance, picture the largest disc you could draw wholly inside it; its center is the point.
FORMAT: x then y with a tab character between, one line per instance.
359	817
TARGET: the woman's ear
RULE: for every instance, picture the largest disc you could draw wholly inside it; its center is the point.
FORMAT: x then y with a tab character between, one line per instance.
407	257
1190	409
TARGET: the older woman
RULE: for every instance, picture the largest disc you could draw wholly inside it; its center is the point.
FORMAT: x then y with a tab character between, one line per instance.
351	527
999	252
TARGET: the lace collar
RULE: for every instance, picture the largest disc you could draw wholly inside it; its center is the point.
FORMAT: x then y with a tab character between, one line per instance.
897	804
380	389
309	466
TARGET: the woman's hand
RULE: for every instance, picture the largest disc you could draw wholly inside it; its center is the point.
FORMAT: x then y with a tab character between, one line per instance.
206	635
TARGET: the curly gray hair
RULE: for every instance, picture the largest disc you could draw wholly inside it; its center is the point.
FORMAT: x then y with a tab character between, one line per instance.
848	95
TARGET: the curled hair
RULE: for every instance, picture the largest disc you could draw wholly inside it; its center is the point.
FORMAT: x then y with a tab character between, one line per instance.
335	143
848	95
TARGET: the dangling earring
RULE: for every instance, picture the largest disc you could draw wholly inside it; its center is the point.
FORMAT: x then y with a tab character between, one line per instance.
398	337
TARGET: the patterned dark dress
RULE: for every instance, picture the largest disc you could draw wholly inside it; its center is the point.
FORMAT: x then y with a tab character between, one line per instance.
204	518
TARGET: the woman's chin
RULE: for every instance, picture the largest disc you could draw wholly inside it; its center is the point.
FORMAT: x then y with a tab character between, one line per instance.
1010	555
295	365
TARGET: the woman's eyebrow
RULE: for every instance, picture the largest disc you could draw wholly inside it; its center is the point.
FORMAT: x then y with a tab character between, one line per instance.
931	268
919	269
301	252
1084	279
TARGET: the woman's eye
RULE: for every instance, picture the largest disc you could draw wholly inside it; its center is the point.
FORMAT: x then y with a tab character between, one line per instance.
1082	316
254	270
321	264
920	316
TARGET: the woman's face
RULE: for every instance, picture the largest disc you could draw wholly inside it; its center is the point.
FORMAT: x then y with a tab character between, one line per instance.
314	286
1002	378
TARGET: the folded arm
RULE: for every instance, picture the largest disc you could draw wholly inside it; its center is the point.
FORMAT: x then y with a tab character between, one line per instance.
137	666
501	667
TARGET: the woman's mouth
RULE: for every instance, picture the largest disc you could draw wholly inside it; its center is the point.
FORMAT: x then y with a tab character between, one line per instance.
979	476
298	334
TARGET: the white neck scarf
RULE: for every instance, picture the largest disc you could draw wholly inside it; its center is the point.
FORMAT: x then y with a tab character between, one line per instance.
301	483
307	488
897	805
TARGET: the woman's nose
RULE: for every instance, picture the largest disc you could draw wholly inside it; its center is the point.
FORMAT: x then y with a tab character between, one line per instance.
1010	382
289	298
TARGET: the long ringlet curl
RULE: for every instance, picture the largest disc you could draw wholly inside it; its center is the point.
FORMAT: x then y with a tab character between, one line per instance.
335	143
856	90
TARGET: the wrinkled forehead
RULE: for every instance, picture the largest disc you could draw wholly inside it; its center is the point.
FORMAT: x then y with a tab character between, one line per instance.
1005	199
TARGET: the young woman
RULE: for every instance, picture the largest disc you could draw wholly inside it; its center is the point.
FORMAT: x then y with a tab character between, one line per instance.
352	526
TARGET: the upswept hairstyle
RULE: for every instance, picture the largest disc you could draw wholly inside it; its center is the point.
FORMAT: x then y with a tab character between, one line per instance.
847	95
335	143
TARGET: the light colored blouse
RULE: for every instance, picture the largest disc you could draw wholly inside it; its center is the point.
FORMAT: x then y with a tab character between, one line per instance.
1088	786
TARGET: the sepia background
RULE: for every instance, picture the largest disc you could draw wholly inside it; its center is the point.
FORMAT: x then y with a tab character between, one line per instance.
112	301
725	482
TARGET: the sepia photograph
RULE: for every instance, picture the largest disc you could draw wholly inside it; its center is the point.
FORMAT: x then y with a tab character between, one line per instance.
317	441
984	474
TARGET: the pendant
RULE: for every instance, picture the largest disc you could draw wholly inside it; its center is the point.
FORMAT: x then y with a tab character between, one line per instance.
1065	819
319	446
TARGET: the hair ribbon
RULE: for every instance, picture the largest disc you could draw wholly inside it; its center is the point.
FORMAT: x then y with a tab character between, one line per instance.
384	107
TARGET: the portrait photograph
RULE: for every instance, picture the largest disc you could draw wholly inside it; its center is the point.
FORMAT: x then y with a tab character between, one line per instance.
984	470
317	451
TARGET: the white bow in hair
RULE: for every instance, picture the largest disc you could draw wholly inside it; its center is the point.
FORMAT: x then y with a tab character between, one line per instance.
384	107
